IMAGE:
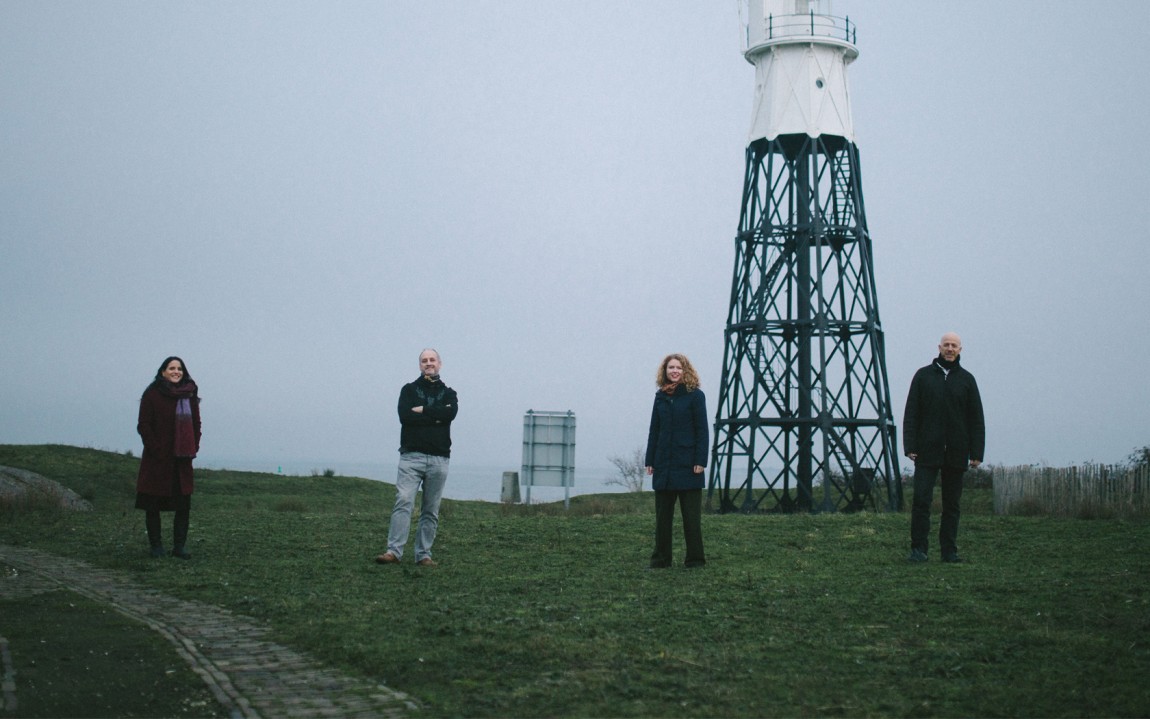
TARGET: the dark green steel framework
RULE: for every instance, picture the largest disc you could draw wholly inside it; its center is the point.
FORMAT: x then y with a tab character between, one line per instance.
804	418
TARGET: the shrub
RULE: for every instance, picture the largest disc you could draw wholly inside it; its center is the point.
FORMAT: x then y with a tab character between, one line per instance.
981	477
1139	458
631	470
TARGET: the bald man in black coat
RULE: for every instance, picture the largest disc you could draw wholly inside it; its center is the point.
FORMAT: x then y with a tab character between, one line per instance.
943	431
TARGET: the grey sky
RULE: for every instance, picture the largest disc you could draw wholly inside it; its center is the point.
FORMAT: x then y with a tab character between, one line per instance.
298	197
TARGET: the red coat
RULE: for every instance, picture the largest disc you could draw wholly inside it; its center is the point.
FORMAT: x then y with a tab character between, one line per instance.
157	427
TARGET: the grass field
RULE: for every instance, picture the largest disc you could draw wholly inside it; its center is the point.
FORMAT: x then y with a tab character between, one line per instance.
537	611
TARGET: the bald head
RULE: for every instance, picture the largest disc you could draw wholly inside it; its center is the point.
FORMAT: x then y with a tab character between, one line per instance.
950	346
429	363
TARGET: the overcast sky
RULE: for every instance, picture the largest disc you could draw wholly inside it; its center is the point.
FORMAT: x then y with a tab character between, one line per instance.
297	197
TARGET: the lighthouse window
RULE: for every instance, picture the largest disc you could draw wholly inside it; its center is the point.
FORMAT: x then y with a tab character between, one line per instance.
819	83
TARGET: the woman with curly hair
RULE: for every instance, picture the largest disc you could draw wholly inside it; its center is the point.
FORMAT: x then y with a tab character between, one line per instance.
677	448
169	424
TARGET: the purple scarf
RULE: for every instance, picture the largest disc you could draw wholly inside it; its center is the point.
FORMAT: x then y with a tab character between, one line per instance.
185	393
185	432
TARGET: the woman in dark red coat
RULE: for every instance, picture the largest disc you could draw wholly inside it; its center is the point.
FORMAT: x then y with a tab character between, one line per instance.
676	457
169	424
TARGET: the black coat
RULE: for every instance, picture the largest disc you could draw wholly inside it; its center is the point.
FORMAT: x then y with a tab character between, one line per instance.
943	422
677	440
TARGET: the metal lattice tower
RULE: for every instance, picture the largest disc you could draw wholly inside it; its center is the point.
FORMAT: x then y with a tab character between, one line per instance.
804	417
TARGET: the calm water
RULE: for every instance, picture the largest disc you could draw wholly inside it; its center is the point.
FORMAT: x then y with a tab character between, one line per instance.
463	481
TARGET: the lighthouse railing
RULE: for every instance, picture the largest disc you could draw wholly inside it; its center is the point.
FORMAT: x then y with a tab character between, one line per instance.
807	25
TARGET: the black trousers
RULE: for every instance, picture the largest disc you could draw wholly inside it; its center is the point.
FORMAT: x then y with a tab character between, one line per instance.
691	505
924	479
179	527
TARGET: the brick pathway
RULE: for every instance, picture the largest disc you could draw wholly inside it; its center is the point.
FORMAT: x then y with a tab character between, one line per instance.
250	676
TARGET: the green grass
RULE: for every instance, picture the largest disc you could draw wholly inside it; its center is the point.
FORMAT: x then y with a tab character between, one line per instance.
544	612
77	658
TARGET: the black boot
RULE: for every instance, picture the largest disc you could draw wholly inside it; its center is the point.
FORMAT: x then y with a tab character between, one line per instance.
180	535
152	524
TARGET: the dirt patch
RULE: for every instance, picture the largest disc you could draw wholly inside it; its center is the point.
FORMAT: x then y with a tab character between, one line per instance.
19	486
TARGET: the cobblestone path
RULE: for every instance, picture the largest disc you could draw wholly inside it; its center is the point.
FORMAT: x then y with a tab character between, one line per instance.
250	676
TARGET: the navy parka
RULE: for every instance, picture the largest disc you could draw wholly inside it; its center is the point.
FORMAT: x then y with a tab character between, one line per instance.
677	440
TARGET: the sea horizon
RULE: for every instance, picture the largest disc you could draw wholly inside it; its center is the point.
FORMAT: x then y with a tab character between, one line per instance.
465	481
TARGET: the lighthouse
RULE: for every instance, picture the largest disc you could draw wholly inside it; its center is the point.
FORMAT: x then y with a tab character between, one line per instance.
804	420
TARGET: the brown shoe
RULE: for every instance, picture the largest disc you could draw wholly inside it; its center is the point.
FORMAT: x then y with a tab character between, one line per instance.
427	562
387	558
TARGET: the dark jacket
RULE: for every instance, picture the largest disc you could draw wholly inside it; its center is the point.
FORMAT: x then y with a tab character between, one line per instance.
677	440
158	463
943	422
428	431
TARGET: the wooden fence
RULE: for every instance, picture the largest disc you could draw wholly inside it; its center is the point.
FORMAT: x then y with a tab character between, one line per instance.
1089	491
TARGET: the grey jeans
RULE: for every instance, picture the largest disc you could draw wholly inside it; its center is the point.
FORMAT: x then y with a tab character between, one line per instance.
415	469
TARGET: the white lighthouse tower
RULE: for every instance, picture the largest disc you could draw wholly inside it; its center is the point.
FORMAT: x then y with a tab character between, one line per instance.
804	418
800	57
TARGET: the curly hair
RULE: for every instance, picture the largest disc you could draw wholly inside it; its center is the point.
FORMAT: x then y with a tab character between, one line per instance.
690	376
